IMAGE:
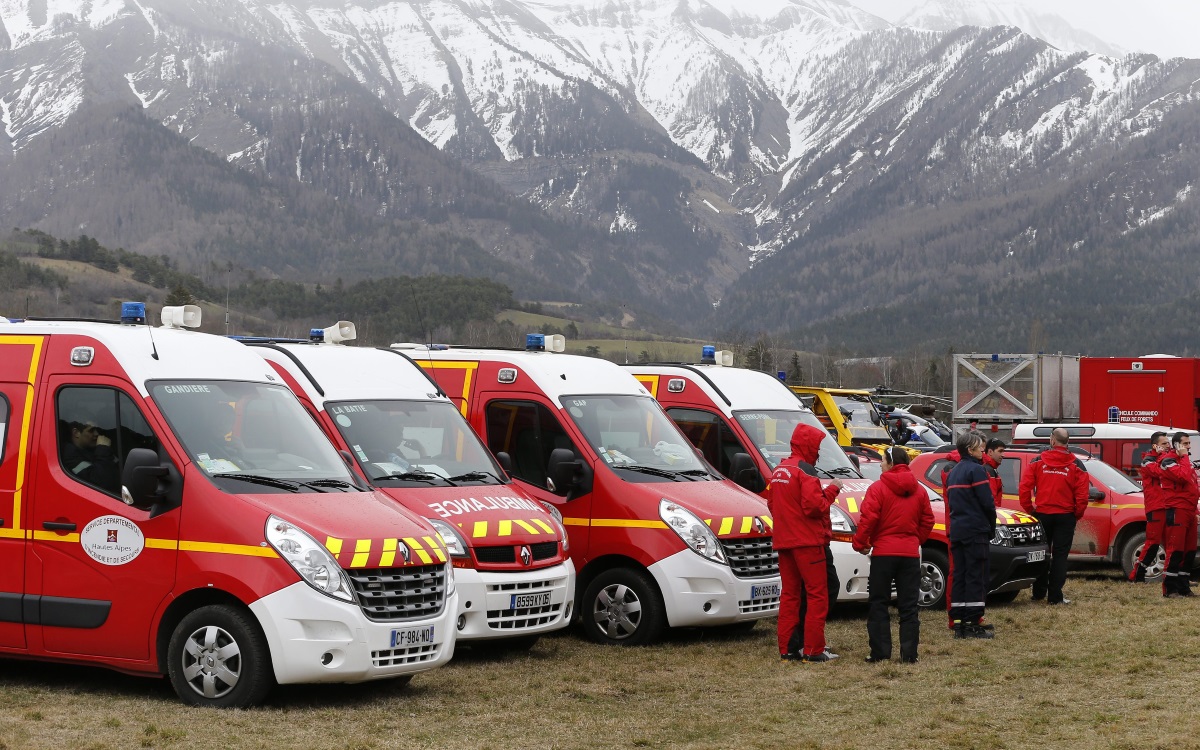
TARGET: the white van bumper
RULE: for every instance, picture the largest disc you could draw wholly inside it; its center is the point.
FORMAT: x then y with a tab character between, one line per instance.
698	592
852	570
511	604
315	638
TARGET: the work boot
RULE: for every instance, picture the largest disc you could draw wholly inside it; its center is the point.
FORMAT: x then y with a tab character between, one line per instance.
973	630
1139	575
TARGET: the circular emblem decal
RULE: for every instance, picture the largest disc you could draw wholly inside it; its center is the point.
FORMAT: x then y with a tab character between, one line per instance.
112	540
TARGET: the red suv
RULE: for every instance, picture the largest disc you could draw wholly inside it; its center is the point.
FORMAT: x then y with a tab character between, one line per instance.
1112	530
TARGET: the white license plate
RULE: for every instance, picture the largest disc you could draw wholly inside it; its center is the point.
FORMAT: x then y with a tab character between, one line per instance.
412	637
1036	556
766	591
525	601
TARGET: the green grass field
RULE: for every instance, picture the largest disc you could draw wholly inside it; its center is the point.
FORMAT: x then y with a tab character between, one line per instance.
1115	669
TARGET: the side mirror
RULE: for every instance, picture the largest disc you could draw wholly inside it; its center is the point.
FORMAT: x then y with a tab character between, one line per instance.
745	474
505	462
1096	495
142	478
854	460
347	459
874	417
566	475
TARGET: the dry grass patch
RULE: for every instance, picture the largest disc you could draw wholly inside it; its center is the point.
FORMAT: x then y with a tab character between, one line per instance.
1114	669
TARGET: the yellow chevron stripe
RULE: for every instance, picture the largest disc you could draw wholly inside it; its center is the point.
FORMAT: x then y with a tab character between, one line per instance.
425	558
480	529
412	543
362	552
441	556
525	525
544	526
388	558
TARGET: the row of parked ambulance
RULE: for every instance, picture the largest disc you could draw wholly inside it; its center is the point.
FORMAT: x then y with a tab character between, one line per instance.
163	502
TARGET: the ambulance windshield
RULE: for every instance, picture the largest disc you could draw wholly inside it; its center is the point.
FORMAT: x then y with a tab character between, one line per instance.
772	431
422	442
633	433
253	433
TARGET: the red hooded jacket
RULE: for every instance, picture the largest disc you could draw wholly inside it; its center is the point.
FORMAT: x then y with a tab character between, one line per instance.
895	517
1060	480
1181	489
798	504
993	472
1152	477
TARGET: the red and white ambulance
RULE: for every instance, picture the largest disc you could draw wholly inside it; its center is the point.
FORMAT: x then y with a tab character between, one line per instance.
657	538
514	578
742	422
168	507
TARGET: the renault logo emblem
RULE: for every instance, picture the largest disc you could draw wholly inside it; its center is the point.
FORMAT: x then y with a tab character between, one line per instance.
759	526
526	556
402	548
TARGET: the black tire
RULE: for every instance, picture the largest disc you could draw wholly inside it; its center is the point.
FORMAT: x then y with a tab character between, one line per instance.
622	607
214	646
935	574
1132	550
1004	597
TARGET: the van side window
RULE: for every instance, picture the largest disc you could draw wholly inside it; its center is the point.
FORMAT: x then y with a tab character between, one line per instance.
4	411
527	431
97	427
709	433
1010	474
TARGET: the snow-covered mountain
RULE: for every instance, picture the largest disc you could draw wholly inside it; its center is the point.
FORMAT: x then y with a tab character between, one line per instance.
697	147
947	15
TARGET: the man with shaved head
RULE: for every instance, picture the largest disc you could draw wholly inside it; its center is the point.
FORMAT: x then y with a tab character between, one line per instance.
1055	490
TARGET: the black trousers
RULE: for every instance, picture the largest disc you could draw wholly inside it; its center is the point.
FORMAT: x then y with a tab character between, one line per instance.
905	572
969	585
796	642
1060	531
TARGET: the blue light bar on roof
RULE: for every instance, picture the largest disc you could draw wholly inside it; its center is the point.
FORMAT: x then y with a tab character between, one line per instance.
133	313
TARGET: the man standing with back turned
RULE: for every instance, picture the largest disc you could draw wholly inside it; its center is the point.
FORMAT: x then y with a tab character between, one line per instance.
1055	490
972	508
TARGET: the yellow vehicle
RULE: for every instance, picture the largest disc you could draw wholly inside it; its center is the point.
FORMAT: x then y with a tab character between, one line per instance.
848	414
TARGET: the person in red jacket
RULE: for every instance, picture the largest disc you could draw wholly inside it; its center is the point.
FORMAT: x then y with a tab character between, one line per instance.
1181	492
800	510
895	519
1152	476
993	456
1055	490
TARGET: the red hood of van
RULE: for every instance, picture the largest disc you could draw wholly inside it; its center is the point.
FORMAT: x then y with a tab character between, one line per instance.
360	529
485	515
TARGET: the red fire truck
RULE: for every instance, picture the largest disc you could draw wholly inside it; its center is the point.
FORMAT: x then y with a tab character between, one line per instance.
167	506
512	571
657	538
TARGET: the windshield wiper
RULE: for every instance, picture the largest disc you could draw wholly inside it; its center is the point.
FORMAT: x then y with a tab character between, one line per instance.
417	476
259	479
695	473
475	476
318	483
652	470
841	471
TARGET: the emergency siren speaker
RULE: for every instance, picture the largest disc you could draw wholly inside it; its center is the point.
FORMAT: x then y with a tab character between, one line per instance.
724	358
556	343
343	330
181	316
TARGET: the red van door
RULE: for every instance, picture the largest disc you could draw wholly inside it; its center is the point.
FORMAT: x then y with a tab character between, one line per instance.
98	569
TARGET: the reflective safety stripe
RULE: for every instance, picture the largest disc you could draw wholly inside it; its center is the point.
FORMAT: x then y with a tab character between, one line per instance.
851	505
968	604
480	529
388	558
747	521
627	523
1002	513
333	545
570	521
525	525
726	526
435	548
768	521
54	536
227	549
939	526
362	551
544	526
505	528
416	547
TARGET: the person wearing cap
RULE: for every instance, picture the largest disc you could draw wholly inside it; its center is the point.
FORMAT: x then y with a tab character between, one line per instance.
1055	490
895	519
1152	491
1181	492
972	514
800	509
88	455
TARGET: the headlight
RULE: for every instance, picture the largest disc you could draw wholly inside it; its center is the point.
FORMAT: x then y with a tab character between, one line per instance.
562	529
694	532
1003	536
309	559
843	525
455	544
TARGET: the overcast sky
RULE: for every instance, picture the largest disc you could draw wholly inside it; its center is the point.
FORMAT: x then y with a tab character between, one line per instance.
1164	27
